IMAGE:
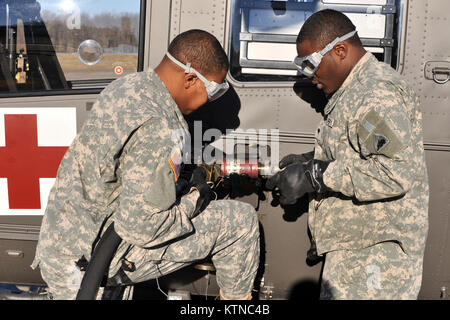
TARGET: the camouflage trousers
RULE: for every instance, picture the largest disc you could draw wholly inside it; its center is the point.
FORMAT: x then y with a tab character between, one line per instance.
380	272
227	231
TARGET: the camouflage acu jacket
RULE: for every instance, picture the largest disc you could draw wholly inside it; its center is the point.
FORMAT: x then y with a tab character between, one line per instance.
372	131
123	164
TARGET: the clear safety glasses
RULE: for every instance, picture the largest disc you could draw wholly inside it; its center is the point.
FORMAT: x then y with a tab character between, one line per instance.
308	65
214	89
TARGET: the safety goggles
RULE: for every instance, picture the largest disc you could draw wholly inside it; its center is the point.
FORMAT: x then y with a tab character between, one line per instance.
308	65
214	89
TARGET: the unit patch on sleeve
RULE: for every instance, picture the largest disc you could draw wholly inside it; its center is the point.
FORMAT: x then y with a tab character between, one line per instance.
376	137
175	164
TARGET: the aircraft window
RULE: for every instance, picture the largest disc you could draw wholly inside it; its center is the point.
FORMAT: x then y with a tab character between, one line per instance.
62	46
263	34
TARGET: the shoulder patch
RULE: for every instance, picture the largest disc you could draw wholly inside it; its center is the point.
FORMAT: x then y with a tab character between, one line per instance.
380	142
175	164
376	137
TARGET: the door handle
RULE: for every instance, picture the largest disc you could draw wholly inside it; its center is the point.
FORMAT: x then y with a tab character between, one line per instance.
438	71
441	75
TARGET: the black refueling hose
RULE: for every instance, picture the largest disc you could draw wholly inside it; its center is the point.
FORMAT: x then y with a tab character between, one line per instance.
102	256
99	264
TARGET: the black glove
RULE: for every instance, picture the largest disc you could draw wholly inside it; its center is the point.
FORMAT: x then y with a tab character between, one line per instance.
198	181
312	258
240	185
297	179
294	158
314	169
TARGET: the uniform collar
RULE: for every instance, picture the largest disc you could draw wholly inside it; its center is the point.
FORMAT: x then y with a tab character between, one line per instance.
353	75
170	104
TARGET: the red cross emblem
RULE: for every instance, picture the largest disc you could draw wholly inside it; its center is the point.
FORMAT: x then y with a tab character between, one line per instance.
23	162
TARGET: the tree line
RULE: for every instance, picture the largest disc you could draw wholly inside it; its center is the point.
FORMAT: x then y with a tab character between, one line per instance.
110	30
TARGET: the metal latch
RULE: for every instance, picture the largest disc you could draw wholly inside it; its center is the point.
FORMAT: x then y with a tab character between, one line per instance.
441	75
438	71
14	253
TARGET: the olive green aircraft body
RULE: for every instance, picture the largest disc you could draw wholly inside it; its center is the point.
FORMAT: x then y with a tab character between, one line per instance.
56	58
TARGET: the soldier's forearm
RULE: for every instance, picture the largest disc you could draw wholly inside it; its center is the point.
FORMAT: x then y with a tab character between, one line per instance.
188	203
368	180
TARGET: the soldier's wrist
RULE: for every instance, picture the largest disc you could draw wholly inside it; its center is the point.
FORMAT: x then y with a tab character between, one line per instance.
189	201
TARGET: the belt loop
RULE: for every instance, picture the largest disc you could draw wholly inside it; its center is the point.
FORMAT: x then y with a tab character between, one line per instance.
82	263
120	279
128	265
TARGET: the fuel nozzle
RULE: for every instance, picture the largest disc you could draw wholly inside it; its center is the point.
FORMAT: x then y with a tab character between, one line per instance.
252	167
253	160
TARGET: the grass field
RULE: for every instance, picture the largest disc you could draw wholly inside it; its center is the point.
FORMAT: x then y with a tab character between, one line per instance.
74	69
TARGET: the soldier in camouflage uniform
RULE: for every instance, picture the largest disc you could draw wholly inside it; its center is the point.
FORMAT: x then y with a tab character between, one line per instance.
368	181
123	167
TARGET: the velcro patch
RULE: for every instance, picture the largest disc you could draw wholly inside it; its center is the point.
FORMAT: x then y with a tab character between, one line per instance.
376	137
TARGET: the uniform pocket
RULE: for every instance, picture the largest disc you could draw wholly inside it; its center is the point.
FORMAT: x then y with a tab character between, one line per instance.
351	267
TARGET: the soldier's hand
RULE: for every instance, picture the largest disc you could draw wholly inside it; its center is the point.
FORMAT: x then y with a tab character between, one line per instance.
198	176
291	182
239	185
296	158
198	181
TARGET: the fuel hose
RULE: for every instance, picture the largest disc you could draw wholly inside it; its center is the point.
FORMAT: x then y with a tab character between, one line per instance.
99	264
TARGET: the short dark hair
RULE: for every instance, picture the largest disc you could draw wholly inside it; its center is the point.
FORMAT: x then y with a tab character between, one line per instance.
325	26
201	49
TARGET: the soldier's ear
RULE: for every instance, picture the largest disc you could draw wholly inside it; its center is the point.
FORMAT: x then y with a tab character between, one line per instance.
341	50
190	80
